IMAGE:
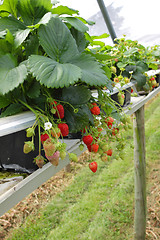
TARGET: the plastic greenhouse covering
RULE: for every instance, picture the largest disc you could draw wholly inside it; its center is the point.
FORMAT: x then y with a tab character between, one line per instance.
137	19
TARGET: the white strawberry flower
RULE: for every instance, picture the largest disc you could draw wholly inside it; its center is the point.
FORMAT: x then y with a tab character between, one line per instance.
47	125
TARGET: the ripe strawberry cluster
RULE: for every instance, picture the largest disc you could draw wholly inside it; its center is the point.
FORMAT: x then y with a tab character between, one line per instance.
98	137
101	142
153	83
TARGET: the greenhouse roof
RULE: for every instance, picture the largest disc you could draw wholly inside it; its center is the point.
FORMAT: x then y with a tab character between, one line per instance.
138	20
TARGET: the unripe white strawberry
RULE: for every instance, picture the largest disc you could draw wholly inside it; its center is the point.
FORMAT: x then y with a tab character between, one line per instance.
28	147
81	147
73	157
113	69
49	147
30	132
62	154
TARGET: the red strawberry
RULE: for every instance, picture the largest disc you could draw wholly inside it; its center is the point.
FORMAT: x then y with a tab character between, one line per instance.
109	124
54	159
49	147
54	103
59	111
94	147
109	152
95	110
89	147
109	121
99	129
93	166
94	104
131	90
115	131
44	137
84	130
39	160
64	129
87	139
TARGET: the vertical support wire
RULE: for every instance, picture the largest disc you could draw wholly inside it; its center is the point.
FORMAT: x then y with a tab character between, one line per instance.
140	175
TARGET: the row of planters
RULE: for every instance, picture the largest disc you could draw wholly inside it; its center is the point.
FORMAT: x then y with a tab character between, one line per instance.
49	65
130	61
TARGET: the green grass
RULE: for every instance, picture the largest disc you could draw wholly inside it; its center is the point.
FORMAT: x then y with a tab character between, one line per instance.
96	206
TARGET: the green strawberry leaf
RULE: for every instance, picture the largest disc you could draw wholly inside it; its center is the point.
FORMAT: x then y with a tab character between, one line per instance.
4	101
92	73
107	71
77	121
9	6
9	37
31	45
130	68
140	79
121	65
66	65
5	47
80	39
20	36
32	11
98	43
12	109
11	74
44	20
57	41
141	66
53	74
64	10
12	24
130	52
34	90
104	35
76	95
3	33
76	23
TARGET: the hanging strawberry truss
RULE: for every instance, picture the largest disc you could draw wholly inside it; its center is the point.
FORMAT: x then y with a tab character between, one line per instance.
45	67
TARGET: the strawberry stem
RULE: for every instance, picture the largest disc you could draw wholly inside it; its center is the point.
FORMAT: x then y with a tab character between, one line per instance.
39	133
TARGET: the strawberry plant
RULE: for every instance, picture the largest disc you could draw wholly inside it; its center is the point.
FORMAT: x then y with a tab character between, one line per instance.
46	67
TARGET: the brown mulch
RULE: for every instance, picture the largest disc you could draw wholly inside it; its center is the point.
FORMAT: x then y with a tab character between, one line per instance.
37	199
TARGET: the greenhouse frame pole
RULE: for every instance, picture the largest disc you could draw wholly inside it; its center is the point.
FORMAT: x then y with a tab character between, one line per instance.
107	20
140	175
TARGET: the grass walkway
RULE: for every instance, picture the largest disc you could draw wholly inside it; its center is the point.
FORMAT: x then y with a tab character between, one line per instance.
96	206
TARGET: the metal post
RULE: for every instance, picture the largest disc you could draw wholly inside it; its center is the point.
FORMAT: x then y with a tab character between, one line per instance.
107	19
140	175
